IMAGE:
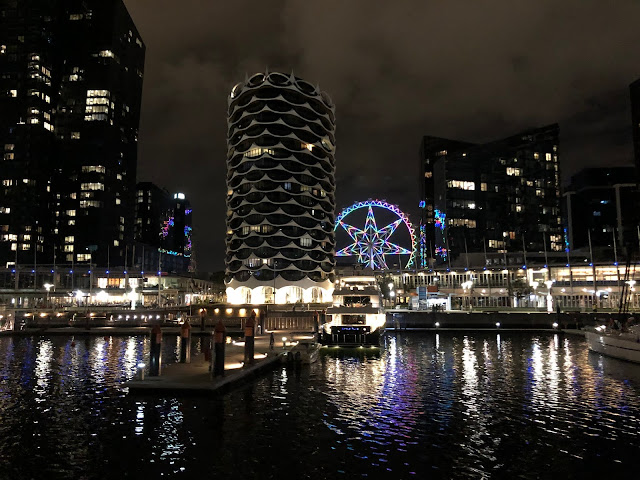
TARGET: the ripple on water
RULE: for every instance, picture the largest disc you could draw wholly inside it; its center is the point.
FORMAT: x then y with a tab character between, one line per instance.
438	405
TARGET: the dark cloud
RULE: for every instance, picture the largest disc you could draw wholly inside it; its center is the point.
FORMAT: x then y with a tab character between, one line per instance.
474	71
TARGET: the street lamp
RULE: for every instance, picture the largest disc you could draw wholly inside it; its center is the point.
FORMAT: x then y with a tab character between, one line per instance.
47	287
467	286
548	283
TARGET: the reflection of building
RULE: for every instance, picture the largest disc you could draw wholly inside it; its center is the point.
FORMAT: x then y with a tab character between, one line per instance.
280	195
69	113
503	195
163	227
602	201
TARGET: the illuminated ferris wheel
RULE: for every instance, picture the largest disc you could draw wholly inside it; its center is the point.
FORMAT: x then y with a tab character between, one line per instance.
371	243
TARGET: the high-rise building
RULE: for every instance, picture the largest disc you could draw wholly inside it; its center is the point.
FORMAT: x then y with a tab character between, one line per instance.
634	89
280	198
601	203
499	196
163	230
70	92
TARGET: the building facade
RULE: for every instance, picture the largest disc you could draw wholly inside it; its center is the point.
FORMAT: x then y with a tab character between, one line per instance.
70	92
496	197
163	230
600	205
280	198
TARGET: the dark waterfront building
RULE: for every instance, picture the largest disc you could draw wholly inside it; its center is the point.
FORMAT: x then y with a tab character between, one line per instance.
164	228
602	201
499	196
280	198
70	91
634	89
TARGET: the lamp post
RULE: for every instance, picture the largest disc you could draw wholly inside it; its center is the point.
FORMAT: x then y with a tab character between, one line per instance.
549	283
47	287
466	286
534	284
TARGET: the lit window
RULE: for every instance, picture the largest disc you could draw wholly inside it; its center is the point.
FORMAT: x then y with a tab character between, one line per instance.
75	135
536	156
68	248
92	186
98	93
76	16
256	152
69	239
547	157
7	183
514	171
93	168
71	213
84	257
464	185
13	93
90	203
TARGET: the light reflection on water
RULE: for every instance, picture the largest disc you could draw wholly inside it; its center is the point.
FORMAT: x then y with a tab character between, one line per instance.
442	405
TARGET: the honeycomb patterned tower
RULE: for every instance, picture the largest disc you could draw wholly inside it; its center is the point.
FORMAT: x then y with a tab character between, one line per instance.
280	192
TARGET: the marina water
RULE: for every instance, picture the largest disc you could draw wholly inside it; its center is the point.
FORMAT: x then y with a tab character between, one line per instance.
425	405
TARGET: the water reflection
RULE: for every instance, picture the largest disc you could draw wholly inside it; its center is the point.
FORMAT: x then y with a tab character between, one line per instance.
437	405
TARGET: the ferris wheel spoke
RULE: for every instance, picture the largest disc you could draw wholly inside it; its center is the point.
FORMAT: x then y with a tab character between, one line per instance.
370	244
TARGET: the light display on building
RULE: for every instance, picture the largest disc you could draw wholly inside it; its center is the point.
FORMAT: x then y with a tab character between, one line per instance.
370	243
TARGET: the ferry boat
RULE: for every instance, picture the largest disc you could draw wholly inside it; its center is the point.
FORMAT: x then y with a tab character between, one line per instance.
356	317
624	345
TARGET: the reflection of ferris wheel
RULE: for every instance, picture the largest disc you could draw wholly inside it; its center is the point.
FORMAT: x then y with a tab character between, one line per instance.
371	243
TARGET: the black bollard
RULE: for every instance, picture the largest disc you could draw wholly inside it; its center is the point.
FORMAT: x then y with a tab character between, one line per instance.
218	342
249	339
155	354
185	342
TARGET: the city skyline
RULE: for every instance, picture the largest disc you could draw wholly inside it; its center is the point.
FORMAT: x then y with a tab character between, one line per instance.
478	74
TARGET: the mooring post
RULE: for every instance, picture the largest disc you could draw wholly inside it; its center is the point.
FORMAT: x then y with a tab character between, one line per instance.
249	339
185	342
218	342
156	351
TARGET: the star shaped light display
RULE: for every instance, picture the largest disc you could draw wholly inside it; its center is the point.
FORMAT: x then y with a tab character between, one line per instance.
372	244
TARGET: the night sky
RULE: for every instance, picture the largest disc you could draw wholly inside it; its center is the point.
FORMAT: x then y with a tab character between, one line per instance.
396	70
